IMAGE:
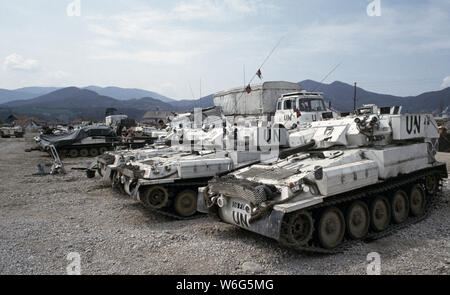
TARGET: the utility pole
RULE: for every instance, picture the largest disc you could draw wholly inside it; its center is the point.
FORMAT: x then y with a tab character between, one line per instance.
354	99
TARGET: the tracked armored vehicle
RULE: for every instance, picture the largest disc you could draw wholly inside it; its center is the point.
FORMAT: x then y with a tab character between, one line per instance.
356	178
9	131
87	141
181	128
167	181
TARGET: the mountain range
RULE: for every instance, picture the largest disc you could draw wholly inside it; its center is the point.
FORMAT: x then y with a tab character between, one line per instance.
66	104
341	97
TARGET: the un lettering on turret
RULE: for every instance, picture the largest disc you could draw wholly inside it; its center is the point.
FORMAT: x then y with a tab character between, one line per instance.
409	126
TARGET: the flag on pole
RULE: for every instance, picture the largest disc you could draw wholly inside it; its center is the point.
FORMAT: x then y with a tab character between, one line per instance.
248	89
259	74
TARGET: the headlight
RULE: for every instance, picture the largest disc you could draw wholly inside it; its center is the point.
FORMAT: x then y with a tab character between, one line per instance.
221	202
295	186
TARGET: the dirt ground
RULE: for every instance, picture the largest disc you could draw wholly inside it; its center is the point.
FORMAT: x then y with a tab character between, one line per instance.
43	218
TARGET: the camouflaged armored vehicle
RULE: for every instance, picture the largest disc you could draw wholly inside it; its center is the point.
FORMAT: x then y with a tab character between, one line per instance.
84	142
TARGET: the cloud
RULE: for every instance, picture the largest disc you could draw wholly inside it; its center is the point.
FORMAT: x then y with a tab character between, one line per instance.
218	10
446	82
57	75
19	63
156	36
148	56
399	30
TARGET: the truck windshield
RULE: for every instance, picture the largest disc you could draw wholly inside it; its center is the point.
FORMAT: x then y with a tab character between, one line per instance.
289	104
311	105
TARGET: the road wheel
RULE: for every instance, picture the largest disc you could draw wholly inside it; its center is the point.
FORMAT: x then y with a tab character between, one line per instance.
186	203
298	228
93	152
331	228
84	153
73	153
357	220
431	184
155	197
417	200
102	150
380	214
399	206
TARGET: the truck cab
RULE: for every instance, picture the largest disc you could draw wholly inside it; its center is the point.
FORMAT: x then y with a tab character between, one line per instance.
299	107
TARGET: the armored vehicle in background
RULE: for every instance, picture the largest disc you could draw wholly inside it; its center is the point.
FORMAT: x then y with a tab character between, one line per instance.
351	178
84	142
9	131
169	182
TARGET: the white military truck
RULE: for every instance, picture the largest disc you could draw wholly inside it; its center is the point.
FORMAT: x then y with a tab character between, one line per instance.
299	107
260	102
353	178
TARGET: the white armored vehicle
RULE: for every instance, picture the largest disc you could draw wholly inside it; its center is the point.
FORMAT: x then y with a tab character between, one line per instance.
168	179
352	178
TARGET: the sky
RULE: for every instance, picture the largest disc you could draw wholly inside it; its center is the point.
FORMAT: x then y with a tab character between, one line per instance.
184	49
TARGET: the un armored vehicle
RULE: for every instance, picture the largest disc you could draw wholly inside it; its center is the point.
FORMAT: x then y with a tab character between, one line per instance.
352	178
166	142
167	179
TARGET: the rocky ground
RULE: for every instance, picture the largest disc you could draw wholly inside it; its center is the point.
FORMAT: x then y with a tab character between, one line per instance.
42	219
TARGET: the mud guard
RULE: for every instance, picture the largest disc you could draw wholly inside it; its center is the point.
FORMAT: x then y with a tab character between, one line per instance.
201	201
107	175
269	225
135	193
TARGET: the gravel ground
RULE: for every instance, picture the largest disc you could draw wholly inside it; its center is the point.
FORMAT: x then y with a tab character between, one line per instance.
44	218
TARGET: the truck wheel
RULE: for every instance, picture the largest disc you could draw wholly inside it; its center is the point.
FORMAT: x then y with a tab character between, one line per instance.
417	200
186	203
73	153
399	206
155	197
380	214
93	152
331	228
84	153
357	220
